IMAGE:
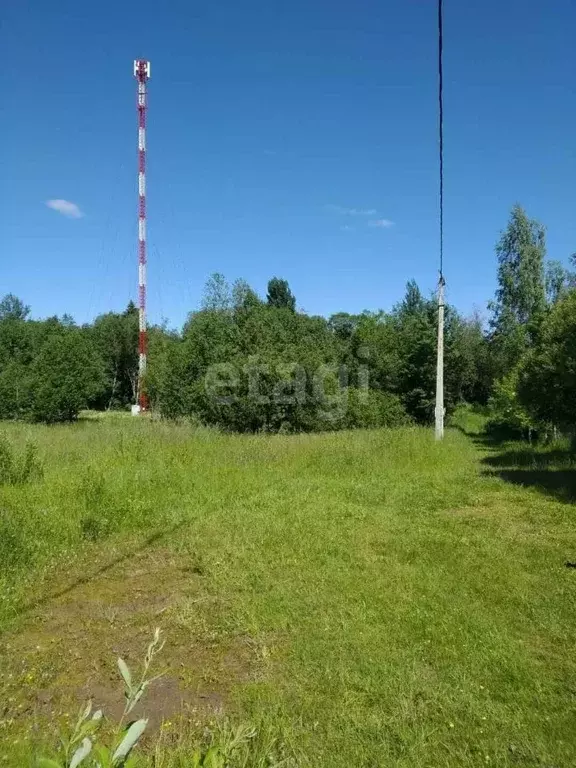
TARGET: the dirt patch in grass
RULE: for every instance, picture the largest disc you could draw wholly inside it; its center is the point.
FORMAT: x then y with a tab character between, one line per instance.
65	649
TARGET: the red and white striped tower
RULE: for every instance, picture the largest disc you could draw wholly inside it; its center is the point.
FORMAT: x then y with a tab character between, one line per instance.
142	73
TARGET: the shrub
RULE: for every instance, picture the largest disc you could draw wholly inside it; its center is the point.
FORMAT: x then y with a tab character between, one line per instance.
471	419
18	469
65	377
370	408
508	418
547	377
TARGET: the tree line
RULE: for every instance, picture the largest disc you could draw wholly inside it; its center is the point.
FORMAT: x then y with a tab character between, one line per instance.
249	363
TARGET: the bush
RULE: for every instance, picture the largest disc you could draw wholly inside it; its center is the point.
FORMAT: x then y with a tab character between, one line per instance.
370	409
508	418
547	377
17	469
471	419
65	377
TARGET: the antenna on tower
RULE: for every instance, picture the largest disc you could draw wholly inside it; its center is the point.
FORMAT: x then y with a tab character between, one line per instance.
141	73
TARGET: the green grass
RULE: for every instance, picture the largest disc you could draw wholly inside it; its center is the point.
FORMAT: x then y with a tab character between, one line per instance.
471	419
408	601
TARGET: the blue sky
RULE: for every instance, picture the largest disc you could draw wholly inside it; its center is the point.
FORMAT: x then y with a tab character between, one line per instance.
279	134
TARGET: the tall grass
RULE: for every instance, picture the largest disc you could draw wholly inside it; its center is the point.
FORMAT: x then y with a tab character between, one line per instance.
412	607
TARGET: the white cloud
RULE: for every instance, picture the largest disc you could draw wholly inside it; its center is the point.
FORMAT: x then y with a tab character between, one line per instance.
66	208
351	211
381	223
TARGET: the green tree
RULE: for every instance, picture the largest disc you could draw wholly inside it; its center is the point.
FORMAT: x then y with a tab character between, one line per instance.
243	296
415	321
217	293
547	378
520	297
245	364
509	416
17	346
375	353
13	308
116	337
557	280
169	383
343	325
17	340
399	351
279	294
469	371
14	390
65	376
521	251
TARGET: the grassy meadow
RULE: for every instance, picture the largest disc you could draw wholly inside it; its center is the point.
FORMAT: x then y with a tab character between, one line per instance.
359	598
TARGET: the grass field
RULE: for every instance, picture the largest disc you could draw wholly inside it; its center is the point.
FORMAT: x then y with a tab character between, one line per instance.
363	599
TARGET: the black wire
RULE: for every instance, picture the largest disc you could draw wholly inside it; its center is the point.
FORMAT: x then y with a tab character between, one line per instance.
441	131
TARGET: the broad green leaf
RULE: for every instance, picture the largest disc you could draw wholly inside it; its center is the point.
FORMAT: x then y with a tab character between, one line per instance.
83	751
90	727
103	756
46	762
132	735
125	672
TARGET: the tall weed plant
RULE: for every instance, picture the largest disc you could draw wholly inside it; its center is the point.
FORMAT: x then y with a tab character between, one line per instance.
18	468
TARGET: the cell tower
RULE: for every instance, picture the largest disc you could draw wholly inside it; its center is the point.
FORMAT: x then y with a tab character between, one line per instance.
141	73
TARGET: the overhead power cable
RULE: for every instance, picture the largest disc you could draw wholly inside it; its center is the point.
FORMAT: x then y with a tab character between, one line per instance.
441	129
439	407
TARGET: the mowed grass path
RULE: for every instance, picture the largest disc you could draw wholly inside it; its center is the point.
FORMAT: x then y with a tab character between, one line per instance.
409	607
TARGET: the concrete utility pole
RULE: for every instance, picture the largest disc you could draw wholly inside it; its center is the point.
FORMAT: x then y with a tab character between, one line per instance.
439	411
